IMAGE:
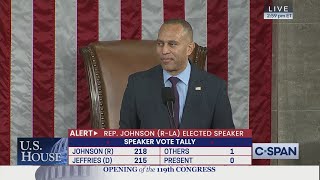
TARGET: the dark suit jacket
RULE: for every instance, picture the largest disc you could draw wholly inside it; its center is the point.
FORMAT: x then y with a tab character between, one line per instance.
143	108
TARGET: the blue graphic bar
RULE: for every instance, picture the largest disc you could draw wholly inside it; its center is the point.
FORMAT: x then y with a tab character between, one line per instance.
160	142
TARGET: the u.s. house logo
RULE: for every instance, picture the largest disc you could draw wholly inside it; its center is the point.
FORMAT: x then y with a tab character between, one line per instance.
42	151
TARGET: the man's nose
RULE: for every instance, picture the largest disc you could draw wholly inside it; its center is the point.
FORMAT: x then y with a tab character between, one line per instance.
165	49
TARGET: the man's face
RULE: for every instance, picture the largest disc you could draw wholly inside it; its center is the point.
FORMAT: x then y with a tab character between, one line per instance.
173	47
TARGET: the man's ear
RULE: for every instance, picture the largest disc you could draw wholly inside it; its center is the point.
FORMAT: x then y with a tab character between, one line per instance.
190	48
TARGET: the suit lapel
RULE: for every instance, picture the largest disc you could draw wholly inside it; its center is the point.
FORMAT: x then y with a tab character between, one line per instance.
157	82
193	99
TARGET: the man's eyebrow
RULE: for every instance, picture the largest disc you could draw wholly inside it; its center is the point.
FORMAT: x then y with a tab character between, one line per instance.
170	41
173	41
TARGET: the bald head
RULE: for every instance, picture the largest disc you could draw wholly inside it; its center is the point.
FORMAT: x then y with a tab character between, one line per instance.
174	45
187	29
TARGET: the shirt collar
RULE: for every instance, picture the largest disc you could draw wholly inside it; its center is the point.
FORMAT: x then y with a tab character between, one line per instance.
184	76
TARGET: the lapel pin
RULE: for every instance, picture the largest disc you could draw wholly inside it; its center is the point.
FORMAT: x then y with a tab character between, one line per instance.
198	88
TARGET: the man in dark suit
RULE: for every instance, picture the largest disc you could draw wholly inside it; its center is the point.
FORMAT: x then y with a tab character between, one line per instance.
200	98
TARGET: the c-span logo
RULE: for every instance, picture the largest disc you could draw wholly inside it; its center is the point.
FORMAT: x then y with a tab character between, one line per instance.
275	151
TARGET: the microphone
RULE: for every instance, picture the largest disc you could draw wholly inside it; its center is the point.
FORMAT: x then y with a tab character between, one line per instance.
168	100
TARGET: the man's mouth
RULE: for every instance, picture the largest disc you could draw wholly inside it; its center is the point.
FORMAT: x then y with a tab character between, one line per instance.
166	60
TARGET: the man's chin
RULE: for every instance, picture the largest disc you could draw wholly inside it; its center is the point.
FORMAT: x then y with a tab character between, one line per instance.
167	67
